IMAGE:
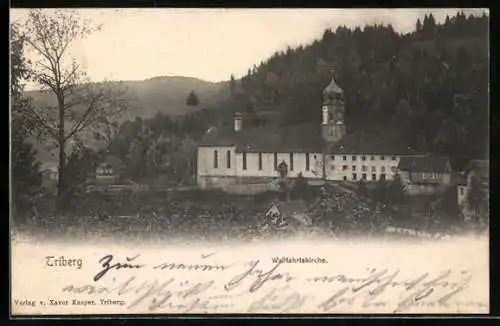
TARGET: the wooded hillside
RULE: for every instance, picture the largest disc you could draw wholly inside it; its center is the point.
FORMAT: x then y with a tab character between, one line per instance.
429	86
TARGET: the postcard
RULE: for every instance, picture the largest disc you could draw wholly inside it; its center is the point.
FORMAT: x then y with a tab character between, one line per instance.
249	161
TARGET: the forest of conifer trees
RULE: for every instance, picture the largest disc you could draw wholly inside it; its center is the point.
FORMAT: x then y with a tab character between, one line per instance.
436	76
429	87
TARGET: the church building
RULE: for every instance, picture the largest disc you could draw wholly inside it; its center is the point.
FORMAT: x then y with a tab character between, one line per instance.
261	155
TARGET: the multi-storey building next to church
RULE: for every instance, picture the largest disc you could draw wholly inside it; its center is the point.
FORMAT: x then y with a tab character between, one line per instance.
245	155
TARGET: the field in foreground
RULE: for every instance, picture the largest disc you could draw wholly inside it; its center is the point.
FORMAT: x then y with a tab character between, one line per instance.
221	216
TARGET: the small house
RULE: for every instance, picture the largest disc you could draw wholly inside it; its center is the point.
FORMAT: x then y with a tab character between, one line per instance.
425	175
109	169
50	176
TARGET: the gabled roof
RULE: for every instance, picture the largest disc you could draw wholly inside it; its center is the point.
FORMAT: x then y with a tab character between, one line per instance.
428	163
113	161
480	167
298	138
371	143
49	166
460	179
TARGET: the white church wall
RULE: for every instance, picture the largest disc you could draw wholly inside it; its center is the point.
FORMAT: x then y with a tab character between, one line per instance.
209	175
268	170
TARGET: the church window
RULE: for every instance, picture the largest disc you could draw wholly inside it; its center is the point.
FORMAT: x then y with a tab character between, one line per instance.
364	168
244	160
344	158
363	158
354	157
228	161
291	161
382	158
382	169
394	158
374	169
461	191
372	158
314	156
307	161
374	176
363	176
354	167
216	159
275	161
354	176
344	167
260	161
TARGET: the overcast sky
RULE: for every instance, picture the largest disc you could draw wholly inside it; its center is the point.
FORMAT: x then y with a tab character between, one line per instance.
210	44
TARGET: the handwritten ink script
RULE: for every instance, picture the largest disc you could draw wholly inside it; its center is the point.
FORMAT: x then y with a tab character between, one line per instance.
216	282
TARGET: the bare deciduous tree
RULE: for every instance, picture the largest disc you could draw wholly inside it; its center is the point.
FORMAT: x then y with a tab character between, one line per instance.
82	107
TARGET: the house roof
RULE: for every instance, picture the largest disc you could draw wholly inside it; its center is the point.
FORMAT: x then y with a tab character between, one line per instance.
304	137
425	164
460	179
112	160
298	138
49	166
371	143
480	167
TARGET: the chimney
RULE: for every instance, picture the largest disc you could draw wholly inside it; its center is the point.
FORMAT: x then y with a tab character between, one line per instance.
238	121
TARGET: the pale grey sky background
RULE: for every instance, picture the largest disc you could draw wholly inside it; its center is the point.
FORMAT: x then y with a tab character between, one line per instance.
210	44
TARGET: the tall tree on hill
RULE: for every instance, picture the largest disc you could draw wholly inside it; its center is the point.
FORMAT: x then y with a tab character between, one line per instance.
192	99
447	21
425	22
25	174
232	85
430	26
82	107
418	26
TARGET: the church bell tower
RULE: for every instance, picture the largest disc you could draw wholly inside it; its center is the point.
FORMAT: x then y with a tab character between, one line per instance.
332	126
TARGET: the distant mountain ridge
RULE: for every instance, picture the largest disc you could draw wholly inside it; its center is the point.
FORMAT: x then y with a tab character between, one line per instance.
165	94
